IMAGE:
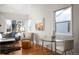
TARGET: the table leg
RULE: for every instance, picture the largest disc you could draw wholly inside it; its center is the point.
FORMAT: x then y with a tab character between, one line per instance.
51	47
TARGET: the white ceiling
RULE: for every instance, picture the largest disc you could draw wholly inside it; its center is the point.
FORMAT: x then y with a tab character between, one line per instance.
24	8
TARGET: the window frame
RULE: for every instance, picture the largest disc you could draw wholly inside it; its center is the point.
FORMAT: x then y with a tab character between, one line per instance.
71	31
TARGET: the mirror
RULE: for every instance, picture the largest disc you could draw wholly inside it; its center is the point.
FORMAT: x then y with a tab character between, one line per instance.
14	25
63	20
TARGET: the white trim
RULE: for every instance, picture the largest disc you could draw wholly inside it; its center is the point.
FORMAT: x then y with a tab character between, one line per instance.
68	34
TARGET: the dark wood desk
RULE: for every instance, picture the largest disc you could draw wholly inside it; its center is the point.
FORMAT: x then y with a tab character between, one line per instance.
51	44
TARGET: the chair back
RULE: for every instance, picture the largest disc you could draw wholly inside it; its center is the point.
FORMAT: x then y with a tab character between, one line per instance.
68	45
53	38
32	36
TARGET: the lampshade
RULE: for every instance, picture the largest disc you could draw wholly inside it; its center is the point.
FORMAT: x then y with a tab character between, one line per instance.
21	29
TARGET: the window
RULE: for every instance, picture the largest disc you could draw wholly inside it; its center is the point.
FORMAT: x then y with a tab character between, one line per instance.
8	25
63	20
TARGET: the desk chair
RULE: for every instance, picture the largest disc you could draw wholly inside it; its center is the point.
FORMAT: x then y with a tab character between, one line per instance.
67	46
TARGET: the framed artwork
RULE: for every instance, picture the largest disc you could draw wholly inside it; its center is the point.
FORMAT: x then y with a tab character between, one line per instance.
40	26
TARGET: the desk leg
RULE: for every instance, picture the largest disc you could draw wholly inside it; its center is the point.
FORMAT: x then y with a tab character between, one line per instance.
55	47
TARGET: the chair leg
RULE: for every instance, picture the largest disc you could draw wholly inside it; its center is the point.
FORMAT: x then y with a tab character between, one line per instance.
71	52
65	52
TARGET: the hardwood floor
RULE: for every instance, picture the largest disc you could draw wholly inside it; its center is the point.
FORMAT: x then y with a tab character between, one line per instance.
35	50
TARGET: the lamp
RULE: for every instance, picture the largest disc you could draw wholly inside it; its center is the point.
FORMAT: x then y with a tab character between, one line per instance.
22	29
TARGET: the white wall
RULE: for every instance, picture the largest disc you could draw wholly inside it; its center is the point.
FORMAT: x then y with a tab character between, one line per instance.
2	22
76	27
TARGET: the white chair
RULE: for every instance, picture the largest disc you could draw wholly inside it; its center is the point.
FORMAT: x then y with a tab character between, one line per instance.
68	45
